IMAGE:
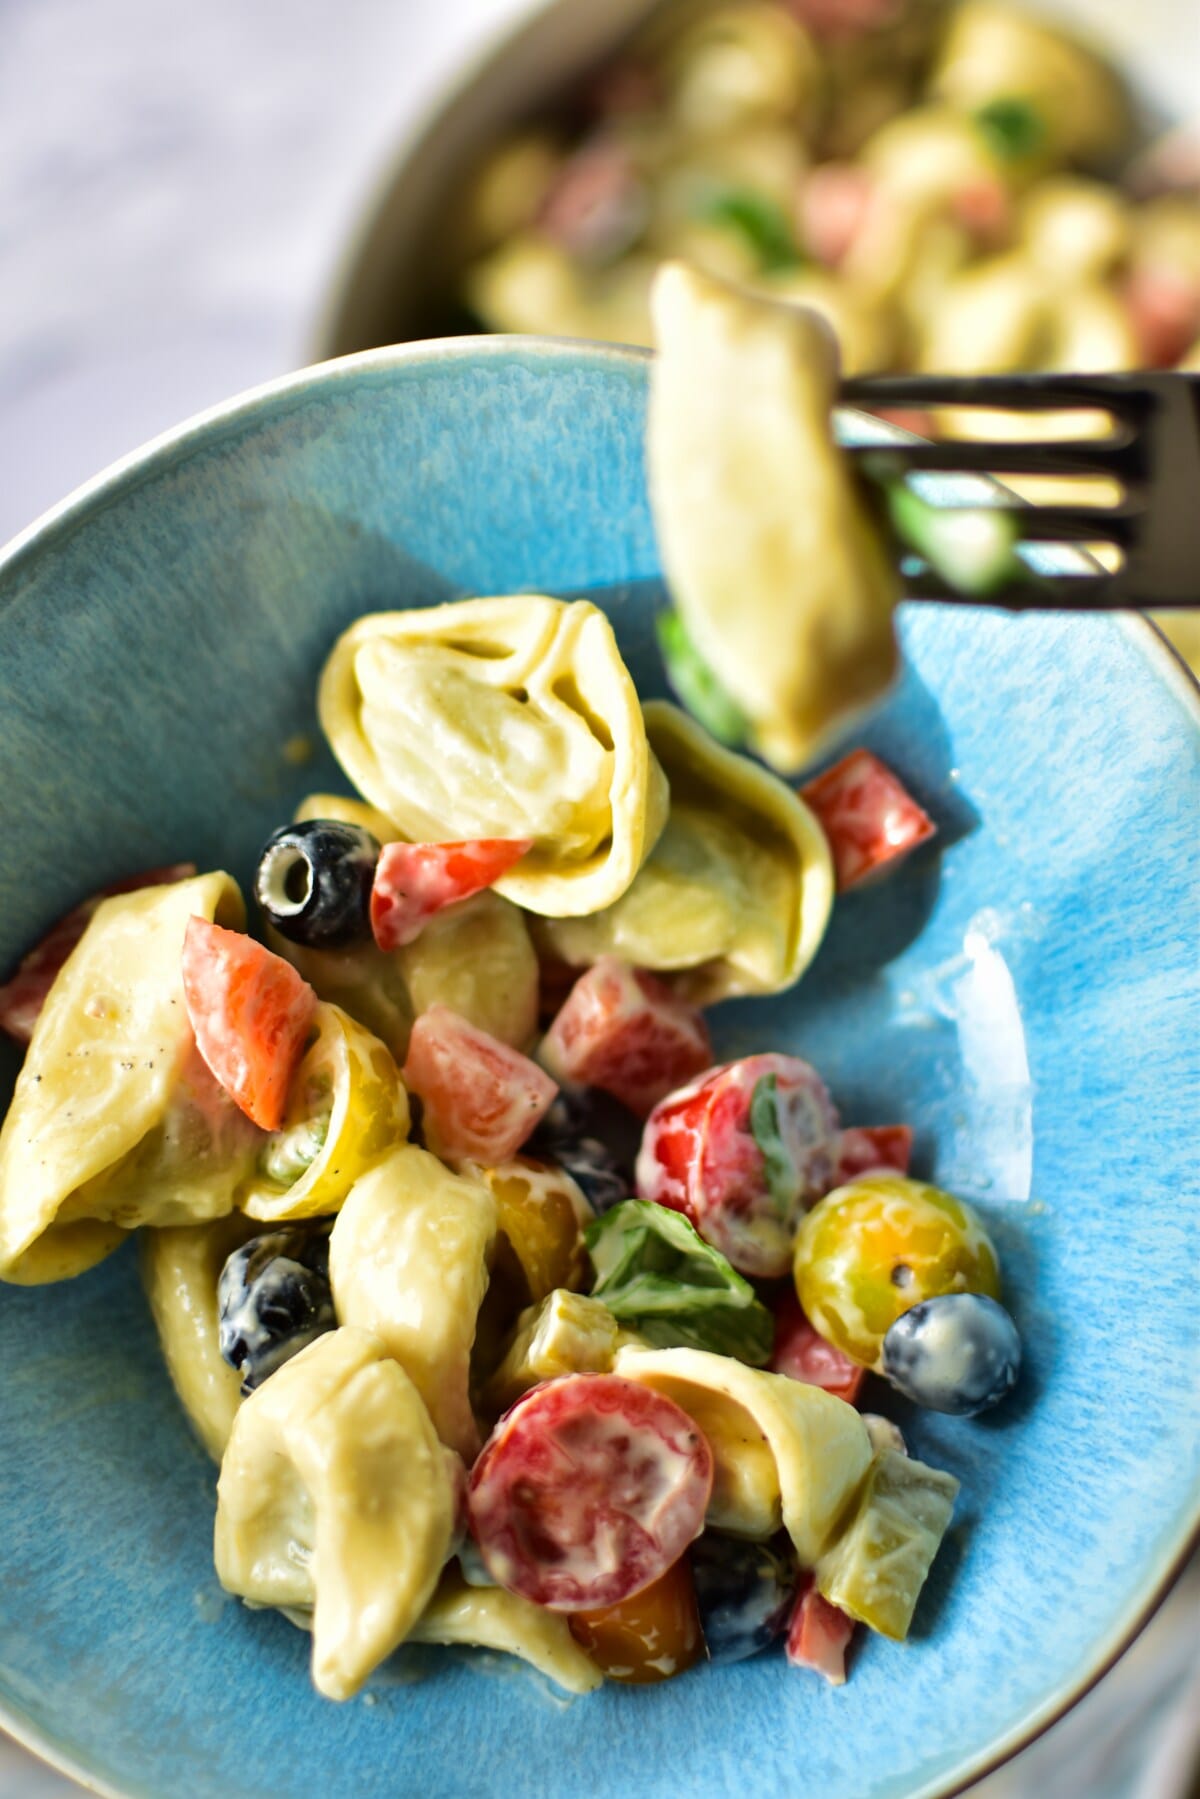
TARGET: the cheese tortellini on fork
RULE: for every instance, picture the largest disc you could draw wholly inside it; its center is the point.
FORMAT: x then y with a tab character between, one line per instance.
510	717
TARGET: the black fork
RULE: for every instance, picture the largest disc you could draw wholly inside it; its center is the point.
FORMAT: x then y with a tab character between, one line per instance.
1152	450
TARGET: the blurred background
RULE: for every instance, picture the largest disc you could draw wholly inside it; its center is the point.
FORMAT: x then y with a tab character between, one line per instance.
180	184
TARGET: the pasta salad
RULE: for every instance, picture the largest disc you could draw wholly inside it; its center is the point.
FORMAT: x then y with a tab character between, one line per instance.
512	1316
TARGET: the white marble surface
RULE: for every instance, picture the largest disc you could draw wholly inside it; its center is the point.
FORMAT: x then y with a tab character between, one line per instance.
175	182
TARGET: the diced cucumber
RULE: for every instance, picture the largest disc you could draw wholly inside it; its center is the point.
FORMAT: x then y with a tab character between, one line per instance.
972	547
877	1566
697	686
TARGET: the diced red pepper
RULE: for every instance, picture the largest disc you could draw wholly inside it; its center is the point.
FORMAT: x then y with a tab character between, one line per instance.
865	1147
479	1097
251	1013
871	820
623	1030
833	207
803	1355
819	1635
22	998
1164	310
413	881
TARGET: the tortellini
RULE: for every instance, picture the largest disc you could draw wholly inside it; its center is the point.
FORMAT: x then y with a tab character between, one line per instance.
784	1452
115	1121
783	583
737	892
336	1495
408	1260
489	1618
181	1266
347	1107
512	717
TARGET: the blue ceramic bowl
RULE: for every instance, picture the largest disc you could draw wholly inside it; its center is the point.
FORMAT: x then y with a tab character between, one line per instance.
1025	996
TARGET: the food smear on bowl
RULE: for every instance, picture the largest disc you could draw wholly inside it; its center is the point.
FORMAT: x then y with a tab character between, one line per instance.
467	1379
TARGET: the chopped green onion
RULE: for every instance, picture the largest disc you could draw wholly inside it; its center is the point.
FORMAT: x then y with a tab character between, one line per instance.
696	684
657	1274
1014	128
971	547
763	224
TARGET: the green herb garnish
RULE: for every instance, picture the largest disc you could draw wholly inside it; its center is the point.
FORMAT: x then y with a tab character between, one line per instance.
778	1166
1014	128
657	1274
760	221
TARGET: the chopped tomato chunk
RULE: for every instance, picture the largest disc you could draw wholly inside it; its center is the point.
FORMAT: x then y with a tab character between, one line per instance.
819	1635
251	1012
871	820
866	1147
805	1356
651	1637
22	998
833	205
480	1098
413	881
623	1030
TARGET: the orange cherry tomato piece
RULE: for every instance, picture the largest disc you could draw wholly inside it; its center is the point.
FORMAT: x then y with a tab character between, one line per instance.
651	1637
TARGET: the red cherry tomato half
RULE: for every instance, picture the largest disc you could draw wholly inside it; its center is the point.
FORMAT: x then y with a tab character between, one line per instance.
22	998
866	1147
742	1153
413	881
804	1355
623	1030
587	1491
870	818
819	1635
251	1012
651	1637
480	1098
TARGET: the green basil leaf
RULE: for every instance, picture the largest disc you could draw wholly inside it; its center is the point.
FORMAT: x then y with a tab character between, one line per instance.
778	1166
760	221
1013	127
696	684
657	1274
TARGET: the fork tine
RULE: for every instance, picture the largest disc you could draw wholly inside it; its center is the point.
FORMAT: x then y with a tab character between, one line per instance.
1080	524
1070	458
1084	593
1022	393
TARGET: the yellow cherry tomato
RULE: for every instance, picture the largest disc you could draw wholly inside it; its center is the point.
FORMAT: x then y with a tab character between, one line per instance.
347	1107
870	1250
540	1210
651	1637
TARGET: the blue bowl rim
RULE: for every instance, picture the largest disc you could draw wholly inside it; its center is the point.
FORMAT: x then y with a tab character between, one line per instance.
125	473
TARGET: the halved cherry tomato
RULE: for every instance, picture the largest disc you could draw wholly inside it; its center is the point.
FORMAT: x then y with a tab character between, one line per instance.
870	818
587	1491
22	998
865	1147
539	1209
804	1355
481	1099
741	1153
651	1637
413	881
623	1030
250	1011
819	1634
